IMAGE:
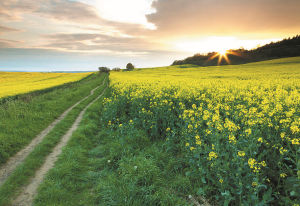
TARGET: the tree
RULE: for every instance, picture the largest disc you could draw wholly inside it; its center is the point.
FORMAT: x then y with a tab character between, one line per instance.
129	67
104	69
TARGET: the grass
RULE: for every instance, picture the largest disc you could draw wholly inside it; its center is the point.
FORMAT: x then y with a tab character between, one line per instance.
27	169
133	170
68	183
22	119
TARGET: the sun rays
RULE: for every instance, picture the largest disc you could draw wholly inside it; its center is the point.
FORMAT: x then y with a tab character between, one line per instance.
223	54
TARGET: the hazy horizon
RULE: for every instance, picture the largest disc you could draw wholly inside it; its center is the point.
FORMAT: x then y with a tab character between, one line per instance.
68	35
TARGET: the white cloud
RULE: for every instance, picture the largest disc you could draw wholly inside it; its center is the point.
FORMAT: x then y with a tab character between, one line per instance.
129	11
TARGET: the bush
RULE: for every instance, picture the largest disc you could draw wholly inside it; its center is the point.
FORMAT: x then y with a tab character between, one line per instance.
104	69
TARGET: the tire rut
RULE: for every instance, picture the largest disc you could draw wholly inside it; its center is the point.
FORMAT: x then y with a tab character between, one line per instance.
28	193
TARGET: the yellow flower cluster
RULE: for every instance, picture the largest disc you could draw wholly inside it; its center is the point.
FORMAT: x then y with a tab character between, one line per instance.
241	153
256	166
212	155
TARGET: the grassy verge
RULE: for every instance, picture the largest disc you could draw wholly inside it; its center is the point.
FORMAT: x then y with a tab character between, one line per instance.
130	169
114	167
27	169
22	119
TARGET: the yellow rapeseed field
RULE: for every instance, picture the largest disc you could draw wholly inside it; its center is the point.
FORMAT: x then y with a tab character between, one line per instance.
13	83
239	124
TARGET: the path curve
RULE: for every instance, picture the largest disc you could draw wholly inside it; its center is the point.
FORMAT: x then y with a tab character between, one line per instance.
28	193
13	162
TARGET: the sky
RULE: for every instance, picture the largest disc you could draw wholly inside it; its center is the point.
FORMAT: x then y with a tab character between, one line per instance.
50	35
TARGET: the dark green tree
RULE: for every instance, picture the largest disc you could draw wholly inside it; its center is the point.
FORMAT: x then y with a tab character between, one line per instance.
104	69
129	67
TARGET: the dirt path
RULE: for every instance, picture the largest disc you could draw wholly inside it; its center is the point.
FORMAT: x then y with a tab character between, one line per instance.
14	161
28	193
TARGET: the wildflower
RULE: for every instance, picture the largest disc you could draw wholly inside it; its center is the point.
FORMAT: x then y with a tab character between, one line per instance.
295	141
198	142
120	125
263	163
282	150
248	131
294	129
283	175
168	129
192	148
221	181
190	126
260	140
254	184
251	162
197	137
232	139
212	155
187	144
241	153
131	121
256	169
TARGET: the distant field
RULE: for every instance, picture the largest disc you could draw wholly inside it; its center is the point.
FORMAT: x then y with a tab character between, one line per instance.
13	83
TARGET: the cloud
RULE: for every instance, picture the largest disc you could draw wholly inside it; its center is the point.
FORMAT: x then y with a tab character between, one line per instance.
71	11
4	29
213	17
97	42
5	43
14	9
61	10
129	11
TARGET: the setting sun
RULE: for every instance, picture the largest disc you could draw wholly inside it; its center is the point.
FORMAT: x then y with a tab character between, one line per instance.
222	52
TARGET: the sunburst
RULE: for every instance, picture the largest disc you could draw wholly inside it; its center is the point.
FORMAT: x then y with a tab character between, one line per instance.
223	54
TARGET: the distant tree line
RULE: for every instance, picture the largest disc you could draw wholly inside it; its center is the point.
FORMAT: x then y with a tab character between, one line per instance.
289	47
129	67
